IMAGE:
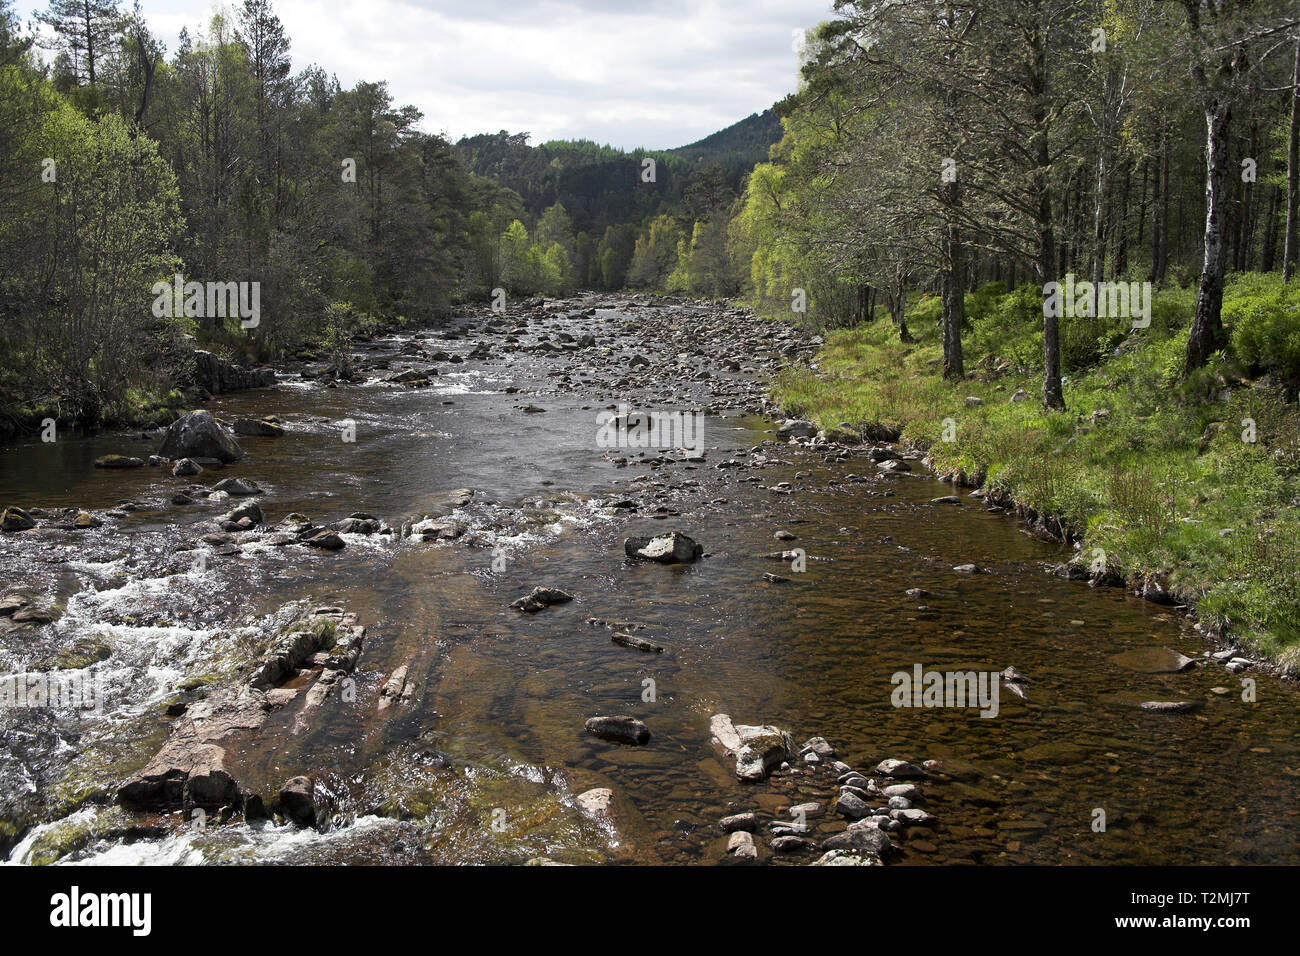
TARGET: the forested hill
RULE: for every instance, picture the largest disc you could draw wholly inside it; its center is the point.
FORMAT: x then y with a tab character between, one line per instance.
739	146
592	181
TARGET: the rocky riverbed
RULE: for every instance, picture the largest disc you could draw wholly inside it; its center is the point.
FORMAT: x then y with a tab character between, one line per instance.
489	592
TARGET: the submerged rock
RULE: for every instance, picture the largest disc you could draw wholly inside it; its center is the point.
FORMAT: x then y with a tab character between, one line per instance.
620	729
868	840
741	845
637	643
1167	706
258	427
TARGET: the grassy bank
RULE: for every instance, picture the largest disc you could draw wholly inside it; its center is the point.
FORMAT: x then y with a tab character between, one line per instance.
1157	472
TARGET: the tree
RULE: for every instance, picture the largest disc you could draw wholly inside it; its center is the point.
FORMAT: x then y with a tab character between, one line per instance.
84	31
1219	34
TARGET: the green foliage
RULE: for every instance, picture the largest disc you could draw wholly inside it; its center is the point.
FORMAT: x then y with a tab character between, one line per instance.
1263	318
1149	467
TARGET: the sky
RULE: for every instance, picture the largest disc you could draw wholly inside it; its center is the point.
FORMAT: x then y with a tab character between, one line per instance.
652	73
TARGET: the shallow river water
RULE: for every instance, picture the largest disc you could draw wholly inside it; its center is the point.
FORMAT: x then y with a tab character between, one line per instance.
506	694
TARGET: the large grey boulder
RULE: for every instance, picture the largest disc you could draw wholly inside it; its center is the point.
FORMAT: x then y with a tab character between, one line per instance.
672	547
196	434
796	428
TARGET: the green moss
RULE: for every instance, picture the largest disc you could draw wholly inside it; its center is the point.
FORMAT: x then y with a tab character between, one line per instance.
82	654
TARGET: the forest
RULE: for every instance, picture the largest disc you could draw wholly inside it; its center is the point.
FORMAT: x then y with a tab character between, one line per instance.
933	152
126	164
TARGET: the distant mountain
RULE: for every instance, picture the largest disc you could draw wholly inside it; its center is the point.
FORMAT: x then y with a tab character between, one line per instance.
745	143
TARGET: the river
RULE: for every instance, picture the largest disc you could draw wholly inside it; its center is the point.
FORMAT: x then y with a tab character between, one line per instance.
505	694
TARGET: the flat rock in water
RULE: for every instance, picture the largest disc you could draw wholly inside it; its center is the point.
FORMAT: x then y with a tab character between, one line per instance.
1167	706
238	487
792	844
724	732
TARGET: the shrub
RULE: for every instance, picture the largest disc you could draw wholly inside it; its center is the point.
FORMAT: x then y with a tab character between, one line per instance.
1263	316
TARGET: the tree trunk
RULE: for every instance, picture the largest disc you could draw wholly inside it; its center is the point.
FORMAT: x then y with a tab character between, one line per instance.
1246	220
953	284
1292	171
1268	253
1121	223
1099	217
1207	326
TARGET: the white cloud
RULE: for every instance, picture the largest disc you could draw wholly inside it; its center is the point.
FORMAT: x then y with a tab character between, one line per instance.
657	73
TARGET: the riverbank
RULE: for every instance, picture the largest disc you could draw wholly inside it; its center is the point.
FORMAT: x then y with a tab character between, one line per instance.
1185	493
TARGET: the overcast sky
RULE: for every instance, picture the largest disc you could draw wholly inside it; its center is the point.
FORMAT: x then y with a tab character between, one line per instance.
654	73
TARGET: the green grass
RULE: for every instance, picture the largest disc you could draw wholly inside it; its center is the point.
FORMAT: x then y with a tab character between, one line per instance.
1160	479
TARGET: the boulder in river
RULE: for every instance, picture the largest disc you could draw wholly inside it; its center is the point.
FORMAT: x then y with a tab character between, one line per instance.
597	803
845	858
16	519
326	540
197	434
761	749
186	468
868	840
237	487
671	547
741	845
796	428
249	509
540	597
118	461
621	729
298	801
